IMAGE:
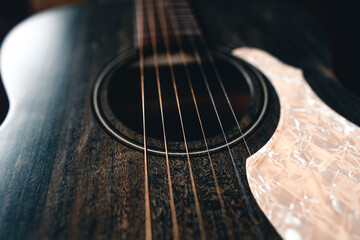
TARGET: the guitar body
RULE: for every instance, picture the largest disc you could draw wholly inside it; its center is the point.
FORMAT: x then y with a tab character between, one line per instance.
65	174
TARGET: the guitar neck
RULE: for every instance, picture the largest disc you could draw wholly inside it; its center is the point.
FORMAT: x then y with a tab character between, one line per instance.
165	20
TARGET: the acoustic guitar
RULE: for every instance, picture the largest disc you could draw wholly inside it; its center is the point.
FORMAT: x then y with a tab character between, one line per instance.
164	119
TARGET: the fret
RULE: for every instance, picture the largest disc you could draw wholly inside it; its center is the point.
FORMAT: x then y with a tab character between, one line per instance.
179	16
176	10
185	32
166	4
180	11
185	21
173	3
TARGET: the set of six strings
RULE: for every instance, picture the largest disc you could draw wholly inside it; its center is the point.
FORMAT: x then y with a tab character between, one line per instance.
150	12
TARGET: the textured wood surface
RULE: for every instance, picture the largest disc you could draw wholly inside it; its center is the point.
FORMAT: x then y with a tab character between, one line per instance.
63	176
285	33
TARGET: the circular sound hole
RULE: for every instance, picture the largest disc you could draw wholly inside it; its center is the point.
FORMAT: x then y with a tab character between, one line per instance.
187	104
124	97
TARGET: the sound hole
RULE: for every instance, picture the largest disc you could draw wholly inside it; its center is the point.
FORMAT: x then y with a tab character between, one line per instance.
124	98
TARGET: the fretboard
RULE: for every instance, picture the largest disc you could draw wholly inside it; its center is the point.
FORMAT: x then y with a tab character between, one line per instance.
161	19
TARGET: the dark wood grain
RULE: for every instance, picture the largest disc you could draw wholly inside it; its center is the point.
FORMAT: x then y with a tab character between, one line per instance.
62	176
287	34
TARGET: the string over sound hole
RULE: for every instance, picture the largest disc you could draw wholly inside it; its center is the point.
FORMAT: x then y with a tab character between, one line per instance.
120	107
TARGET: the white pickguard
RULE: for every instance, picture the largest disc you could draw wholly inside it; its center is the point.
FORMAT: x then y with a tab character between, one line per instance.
306	179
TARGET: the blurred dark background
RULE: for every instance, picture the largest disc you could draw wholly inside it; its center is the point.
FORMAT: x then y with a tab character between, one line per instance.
339	21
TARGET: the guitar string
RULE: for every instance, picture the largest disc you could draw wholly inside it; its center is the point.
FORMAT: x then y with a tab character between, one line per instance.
247	202
153	39
164	29
177	35
214	67
242	187
198	59
140	30
210	57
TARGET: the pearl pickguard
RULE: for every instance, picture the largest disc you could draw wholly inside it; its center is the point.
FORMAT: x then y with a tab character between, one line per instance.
306	179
